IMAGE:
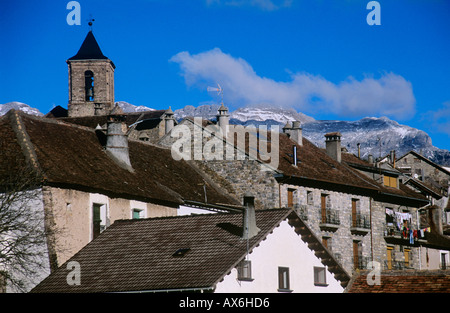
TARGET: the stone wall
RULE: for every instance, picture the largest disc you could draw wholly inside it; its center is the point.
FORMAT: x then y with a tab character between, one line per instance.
103	87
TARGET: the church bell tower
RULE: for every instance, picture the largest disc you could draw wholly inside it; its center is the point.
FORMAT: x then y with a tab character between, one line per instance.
91	80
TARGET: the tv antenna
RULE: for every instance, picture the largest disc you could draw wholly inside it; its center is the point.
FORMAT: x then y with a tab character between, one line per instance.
217	89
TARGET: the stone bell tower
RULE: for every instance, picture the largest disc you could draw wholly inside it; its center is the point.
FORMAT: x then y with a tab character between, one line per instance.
91	80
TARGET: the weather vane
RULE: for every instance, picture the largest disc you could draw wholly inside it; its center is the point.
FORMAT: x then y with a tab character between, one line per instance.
218	89
90	20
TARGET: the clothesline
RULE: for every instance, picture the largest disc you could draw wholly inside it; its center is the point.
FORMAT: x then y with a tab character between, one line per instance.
406	232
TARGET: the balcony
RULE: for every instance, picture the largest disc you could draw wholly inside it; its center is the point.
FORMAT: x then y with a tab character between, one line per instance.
395	236
362	263
330	219
396	265
360	224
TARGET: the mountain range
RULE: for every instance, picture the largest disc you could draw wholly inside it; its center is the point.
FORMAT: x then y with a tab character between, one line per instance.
376	136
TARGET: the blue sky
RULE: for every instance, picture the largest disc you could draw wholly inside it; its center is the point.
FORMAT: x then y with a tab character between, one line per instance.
319	57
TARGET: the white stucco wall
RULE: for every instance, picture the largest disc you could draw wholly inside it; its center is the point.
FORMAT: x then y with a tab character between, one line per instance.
185	210
282	248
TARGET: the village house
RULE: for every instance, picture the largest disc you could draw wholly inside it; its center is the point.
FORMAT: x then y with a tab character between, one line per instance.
269	251
349	203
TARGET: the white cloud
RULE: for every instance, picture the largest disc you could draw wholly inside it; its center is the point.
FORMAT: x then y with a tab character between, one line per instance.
389	95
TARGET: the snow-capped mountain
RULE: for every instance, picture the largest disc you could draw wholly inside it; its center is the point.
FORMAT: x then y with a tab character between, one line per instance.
377	136
130	108
207	111
269	113
4	108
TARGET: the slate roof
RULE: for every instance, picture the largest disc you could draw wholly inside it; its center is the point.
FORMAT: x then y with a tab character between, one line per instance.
71	156
316	169
405	281
89	49
138	255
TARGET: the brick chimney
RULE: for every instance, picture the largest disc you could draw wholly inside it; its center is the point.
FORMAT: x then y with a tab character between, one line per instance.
117	139
333	145
249	219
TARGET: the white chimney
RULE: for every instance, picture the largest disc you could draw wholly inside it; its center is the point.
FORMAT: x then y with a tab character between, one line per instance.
117	139
223	119
296	133
249	220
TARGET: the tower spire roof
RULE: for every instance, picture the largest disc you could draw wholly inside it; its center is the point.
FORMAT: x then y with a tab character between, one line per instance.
89	49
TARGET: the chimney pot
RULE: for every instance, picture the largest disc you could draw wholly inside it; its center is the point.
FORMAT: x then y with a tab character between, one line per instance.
169	120
296	133
249	219
223	119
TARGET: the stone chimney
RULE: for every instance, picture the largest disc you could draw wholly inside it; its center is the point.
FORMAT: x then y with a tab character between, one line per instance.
169	120
249	219
117	139
223	119
296	133
287	128
392	157
333	145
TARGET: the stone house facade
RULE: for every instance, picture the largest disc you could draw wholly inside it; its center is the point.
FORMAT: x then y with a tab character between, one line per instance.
342	198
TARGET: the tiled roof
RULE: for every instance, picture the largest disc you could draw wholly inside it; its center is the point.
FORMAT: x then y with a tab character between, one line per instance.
131	118
405	281
138	255
316	168
71	156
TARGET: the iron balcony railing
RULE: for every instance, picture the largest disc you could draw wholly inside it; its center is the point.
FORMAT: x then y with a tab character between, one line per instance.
330	216
360	220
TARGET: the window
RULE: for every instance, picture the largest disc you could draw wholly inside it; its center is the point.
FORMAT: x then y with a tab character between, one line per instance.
98	219
326	241
283	279
244	270
389	258
137	214
320	276
89	85
357	254
444	260
324	205
355	212
309	198
390	181
406	253
290	203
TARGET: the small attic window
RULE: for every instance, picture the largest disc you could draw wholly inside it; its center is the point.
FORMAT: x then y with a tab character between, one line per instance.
181	252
